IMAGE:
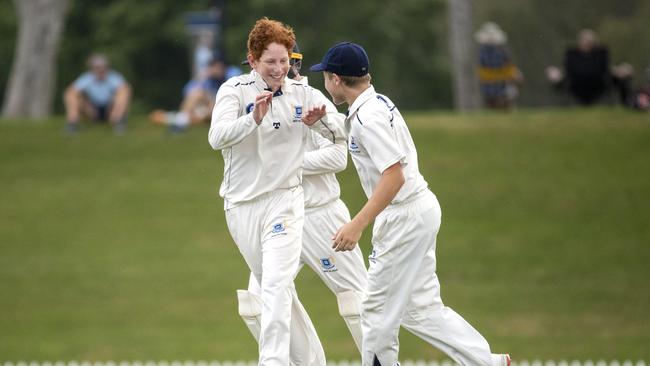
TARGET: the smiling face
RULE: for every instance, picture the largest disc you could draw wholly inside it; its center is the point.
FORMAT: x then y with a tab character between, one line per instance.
273	65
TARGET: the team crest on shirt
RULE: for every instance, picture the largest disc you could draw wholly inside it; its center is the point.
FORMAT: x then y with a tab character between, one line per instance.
278	229
354	148
297	113
328	264
249	108
276	125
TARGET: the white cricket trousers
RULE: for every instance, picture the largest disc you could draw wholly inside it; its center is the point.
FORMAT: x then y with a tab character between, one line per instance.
268	233
403	289
340	271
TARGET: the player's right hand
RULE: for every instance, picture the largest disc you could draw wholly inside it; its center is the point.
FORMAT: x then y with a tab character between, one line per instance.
262	104
347	237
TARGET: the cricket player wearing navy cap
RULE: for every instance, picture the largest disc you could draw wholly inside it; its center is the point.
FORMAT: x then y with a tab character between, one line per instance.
403	288
259	122
344	273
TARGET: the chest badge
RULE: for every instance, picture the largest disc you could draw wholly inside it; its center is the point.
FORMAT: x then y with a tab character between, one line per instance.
353	147
276	125
297	113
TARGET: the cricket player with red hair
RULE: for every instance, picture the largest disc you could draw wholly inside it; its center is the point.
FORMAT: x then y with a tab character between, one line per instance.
260	122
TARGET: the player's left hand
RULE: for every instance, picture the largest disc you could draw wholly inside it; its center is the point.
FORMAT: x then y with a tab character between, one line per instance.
347	237
313	115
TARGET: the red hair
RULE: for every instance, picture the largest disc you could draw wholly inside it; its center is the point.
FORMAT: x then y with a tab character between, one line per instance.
266	31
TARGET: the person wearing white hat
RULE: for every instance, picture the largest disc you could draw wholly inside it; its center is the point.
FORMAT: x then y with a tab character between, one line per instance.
497	73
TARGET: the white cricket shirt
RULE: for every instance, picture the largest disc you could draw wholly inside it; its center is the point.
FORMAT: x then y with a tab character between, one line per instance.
378	138
262	158
323	159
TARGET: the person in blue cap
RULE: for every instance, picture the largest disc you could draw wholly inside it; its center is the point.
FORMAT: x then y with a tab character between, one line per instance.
403	287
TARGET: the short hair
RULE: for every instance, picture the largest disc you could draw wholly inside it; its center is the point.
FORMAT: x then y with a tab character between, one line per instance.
352	81
266	31
97	59
216	61
588	35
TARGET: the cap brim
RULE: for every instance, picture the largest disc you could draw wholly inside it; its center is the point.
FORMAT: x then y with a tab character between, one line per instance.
317	67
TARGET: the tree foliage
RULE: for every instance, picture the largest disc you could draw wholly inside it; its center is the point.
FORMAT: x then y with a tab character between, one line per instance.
147	42
402	39
406	40
8	31
540	30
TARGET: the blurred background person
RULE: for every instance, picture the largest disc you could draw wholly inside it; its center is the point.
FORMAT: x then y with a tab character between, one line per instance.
100	94
587	73
198	99
640	98
498	75
203	53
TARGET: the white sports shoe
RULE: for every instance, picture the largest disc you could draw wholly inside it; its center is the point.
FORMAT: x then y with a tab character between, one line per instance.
501	359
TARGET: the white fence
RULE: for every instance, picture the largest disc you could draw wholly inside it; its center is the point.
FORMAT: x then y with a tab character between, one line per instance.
339	363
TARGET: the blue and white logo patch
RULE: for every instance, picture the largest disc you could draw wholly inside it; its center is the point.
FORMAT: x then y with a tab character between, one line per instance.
249	108
328	265
277	228
354	148
297	115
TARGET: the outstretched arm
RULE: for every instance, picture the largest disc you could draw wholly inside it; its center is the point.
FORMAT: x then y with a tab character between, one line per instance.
324	118
391	181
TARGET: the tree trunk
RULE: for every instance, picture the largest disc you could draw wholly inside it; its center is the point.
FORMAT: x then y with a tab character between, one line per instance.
463	55
33	74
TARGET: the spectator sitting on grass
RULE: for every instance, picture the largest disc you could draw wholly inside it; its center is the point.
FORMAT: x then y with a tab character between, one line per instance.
198	99
101	94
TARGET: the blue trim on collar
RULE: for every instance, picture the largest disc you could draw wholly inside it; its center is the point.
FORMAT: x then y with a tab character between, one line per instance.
277	92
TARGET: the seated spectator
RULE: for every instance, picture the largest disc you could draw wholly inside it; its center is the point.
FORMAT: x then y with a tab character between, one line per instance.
587	73
198	99
99	94
498	75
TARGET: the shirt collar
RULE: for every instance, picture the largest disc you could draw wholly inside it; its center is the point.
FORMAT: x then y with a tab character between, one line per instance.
304	81
262	85
361	99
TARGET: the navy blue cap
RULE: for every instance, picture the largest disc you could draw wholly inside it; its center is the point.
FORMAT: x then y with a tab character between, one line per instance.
345	59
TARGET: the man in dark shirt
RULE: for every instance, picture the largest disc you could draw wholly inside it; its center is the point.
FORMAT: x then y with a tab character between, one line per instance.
588	75
587	68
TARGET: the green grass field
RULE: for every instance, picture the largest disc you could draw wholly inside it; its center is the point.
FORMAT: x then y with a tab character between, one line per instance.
116	248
